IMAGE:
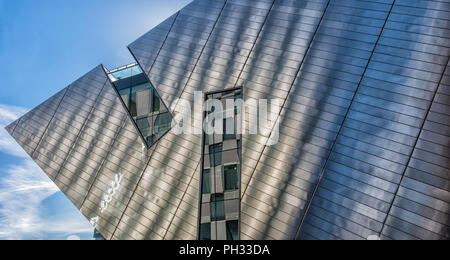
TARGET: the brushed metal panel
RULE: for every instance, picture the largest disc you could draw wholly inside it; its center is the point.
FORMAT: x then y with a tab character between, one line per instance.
258	75
30	128
10	128
424	197
341	190
207	13
68	119
88	160
146	48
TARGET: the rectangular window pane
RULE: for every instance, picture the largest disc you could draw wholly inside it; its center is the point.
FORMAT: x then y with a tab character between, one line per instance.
231	177
156	102
237	108
218	159
144	126
140	98
125	95
215	154
143	102
205	231
143	94
206	189
132	107
227	133
233	230
163	124
217	207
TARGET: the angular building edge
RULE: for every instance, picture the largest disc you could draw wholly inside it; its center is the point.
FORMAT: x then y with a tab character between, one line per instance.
42	130
10	127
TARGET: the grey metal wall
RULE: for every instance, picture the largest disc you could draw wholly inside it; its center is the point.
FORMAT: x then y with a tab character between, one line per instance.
374	147
357	78
364	145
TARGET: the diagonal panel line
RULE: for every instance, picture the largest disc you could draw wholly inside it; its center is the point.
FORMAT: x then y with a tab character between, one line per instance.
108	152
237	80
414	147
199	163
182	198
79	133
18	121
147	74
316	188
103	163
162	45
254	43
135	189
289	92
49	122
157	144
200	55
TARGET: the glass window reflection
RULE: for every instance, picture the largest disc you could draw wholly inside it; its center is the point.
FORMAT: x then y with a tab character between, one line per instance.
215	154
143	102
220	200
233	230
206	187
217	207
205	231
231	177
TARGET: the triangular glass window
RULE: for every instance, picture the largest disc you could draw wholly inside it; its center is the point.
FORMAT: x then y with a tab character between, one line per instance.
144	105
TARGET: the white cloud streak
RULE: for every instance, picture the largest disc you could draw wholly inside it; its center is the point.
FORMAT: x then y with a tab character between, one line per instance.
9	114
23	187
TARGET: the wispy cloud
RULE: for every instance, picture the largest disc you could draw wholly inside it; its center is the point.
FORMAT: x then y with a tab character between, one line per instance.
9	114
23	188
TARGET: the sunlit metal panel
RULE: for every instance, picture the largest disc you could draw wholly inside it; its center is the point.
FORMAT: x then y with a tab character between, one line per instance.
375	144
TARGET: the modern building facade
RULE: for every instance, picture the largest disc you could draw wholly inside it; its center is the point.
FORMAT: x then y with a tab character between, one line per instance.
364	146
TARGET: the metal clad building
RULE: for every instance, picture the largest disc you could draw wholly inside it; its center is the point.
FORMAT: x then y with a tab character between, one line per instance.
364	147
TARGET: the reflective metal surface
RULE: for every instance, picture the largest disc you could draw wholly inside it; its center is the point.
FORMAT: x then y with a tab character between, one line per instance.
364	127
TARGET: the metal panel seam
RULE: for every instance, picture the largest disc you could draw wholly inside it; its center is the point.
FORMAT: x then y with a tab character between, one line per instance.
79	133
49	122
134	191
162	45
107	153
414	147
181	201
289	91
103	162
201	53
342	124
196	168
254	43
18	122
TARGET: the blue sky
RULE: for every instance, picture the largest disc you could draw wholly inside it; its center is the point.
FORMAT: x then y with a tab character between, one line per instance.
44	46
